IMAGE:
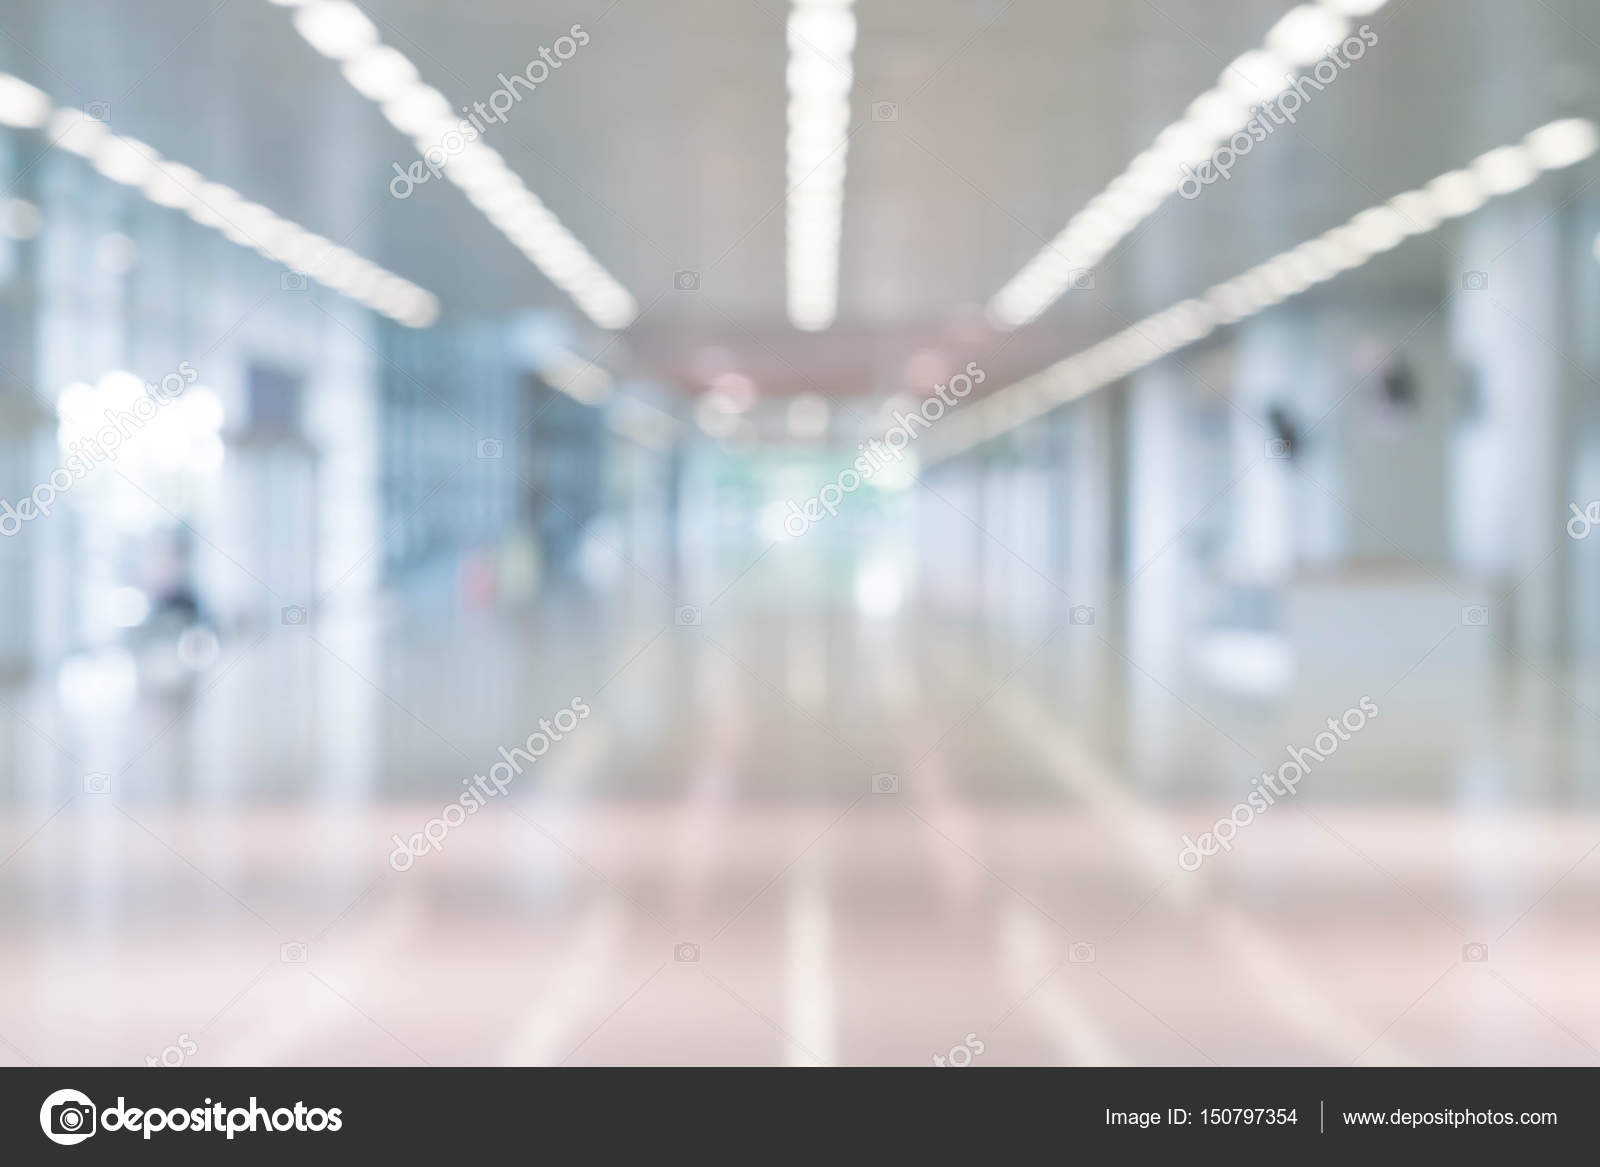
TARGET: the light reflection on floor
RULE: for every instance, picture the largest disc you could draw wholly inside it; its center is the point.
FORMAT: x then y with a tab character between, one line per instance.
790	836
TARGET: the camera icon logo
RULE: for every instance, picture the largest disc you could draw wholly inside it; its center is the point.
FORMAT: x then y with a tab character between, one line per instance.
686	953
294	615
490	449
1278	448
100	111
97	783
1081	953
292	952
885	111
1475	952
885	784
1080	279
1474	281
1081	615
293	281
1475	615
686	280
688	616
67	1117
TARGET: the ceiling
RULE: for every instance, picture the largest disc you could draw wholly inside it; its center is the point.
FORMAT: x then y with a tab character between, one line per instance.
661	146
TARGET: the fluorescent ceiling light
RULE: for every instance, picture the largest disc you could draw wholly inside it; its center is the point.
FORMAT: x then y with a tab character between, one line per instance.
76	132
125	160
210	204
1561	143
172	185
21	104
821	37
1305	34
380	73
1416	210
1302	36
421	110
1378	229
335	28
1256	76
1457	193
1504	170
1369	233
422	113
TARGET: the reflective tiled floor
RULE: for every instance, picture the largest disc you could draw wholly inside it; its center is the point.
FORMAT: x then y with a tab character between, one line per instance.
794	834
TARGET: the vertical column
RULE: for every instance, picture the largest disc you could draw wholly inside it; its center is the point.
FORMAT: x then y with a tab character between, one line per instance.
1514	465
20	416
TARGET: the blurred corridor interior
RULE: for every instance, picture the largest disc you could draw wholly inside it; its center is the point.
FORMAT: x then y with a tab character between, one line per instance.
799	532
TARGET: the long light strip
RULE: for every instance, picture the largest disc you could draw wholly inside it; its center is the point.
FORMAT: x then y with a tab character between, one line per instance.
822	36
340	31
132	163
1302	36
1371	233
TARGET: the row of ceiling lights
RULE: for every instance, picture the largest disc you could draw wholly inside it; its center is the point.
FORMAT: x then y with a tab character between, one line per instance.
342	32
1371	233
1304	35
137	165
821	38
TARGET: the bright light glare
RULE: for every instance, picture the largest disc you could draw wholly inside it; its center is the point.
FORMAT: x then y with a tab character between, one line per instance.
1347	246
335	28
22	105
127	607
133	163
380	73
125	160
1306	33
880	589
821	36
1302	36
383	75
75	132
1561	143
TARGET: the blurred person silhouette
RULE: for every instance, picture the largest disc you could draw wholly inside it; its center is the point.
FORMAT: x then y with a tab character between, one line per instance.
179	638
